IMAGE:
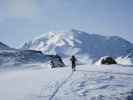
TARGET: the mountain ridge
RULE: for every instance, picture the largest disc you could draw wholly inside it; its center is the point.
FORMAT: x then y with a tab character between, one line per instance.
75	42
4	46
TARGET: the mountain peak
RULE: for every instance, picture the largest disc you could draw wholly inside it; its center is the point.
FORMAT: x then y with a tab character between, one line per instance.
79	43
4	46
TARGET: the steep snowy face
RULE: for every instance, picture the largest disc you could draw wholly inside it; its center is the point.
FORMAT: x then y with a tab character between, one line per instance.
4	47
55	43
80	43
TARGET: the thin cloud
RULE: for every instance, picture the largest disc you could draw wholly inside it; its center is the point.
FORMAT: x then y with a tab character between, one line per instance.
22	8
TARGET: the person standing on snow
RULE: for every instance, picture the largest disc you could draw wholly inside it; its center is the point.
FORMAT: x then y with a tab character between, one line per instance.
73	61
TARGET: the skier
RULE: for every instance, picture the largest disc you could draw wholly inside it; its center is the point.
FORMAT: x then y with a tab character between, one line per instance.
52	64
73	61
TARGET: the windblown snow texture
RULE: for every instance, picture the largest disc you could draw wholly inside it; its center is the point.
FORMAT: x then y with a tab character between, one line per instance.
89	82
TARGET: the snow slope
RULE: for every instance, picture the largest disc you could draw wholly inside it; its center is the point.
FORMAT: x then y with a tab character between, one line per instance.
4	47
10	58
80	43
89	82
17	57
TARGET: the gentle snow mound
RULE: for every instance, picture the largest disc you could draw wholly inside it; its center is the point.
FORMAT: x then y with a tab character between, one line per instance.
124	61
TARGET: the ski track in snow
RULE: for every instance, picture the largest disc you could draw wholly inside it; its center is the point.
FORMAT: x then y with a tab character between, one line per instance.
87	83
58	88
83	83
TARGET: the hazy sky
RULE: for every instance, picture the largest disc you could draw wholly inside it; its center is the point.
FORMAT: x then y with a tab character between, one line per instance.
21	20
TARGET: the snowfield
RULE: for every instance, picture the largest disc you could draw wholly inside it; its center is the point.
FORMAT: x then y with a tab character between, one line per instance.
89	82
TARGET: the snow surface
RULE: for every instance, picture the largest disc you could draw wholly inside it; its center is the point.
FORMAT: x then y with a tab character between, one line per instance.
125	60
89	82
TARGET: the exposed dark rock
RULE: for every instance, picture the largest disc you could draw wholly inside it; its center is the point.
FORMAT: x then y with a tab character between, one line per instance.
108	61
56	61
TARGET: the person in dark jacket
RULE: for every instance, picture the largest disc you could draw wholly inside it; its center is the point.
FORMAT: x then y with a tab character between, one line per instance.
73	61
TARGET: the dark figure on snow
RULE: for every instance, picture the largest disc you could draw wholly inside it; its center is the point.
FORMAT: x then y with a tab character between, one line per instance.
56	61
73	61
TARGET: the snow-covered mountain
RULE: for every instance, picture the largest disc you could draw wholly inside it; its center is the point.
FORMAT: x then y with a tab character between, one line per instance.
36	80
4	46
16	57
19	57
10	56
80	43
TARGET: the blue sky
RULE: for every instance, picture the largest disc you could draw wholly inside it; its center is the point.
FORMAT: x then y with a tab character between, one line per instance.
21	20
